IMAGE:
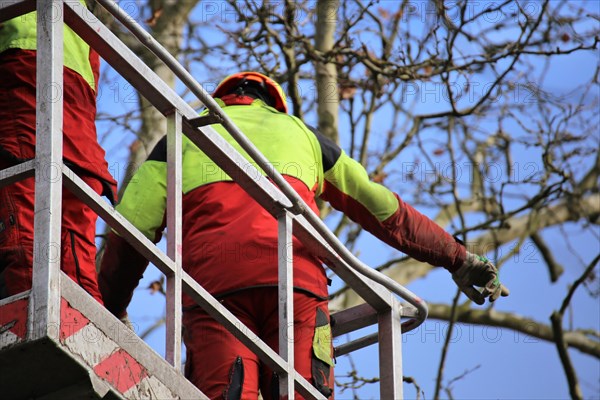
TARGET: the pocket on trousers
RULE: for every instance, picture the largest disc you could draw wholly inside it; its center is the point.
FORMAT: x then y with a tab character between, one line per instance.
321	356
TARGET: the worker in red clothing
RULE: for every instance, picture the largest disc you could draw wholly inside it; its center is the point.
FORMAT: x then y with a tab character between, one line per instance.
230	242
81	152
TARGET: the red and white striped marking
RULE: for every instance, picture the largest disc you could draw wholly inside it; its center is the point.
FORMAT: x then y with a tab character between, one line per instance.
110	362
13	322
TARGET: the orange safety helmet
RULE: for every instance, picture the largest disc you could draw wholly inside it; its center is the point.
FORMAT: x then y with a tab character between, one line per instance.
272	88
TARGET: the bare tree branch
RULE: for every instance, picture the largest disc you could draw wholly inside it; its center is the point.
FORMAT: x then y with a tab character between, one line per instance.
554	268
446	346
559	336
578	339
326	72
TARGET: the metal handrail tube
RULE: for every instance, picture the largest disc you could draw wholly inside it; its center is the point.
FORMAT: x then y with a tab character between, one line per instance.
299	206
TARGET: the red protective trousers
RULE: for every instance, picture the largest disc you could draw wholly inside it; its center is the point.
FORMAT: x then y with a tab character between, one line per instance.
78	250
223	368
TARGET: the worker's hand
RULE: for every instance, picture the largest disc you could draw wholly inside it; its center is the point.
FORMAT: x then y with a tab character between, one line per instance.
479	271
125	320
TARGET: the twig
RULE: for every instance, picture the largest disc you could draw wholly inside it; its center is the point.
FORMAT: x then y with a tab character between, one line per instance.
410	380
574	388
561	346
157	324
578	282
454	314
463	375
554	267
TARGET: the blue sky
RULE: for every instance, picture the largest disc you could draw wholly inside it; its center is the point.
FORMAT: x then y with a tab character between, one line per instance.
501	363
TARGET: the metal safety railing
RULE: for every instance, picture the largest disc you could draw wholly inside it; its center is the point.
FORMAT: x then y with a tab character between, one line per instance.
278	197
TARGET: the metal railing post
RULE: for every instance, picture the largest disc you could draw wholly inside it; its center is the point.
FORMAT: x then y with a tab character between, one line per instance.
174	238
390	352
286	303
48	170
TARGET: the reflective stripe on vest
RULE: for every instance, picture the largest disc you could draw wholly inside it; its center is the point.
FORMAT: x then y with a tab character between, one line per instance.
20	33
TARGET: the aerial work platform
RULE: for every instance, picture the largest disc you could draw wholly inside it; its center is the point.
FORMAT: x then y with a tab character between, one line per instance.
56	342
89	355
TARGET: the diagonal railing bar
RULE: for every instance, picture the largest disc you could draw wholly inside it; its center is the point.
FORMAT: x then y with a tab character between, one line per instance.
118	223
17	172
13	9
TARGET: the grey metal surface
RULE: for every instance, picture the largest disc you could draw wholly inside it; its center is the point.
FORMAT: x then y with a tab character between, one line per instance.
390	353
13	174
48	182
355	344
114	329
352	319
41	369
174	239
13	8
15	297
286	303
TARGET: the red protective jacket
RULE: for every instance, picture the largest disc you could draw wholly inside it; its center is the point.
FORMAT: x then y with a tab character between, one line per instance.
81	150
230	242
